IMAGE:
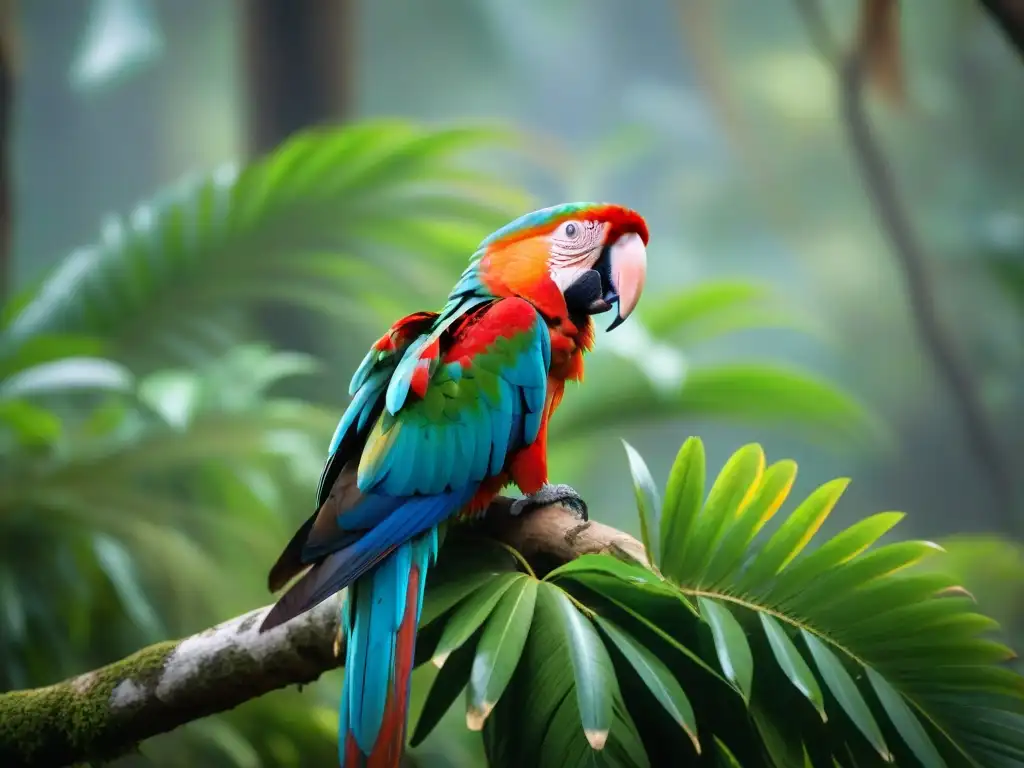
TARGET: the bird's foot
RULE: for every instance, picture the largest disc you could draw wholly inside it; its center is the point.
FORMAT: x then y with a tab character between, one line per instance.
562	494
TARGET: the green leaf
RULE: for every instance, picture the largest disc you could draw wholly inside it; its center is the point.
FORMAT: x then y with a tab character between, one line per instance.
630	572
468	617
271	231
448	684
840	549
906	722
592	668
724	756
846	692
116	563
657	677
626	597
793	664
69	374
779	735
35	350
730	644
772	491
712	309
759	393
683	497
465	565
795	533
879	563
647	504
499	649
732	491
31	424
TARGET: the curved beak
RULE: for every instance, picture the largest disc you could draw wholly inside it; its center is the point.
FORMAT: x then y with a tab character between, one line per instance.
627	259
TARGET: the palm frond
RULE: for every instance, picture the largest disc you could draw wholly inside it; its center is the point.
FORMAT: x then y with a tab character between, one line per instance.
619	395
737	642
718	307
314	224
169	488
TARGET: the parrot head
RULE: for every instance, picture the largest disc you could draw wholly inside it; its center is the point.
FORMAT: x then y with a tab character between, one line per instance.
593	254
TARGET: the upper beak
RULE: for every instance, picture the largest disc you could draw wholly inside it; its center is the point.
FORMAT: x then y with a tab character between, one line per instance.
628	270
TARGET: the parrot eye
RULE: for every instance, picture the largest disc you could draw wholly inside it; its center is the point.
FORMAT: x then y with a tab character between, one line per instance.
574	240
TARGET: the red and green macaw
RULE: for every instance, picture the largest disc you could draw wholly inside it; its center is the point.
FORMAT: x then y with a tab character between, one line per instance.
448	408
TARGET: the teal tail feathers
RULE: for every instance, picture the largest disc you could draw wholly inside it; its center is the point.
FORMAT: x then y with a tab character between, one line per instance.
381	616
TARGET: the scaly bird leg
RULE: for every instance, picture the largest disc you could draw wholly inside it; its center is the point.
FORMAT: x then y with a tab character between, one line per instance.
562	494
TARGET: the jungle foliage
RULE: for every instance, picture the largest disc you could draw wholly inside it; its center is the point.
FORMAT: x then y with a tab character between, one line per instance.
733	645
153	443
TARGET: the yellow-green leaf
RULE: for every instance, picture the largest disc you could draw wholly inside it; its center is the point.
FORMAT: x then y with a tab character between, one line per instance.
794	534
772	491
724	756
841	548
733	489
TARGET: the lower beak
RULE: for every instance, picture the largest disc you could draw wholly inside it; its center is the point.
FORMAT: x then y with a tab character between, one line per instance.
627	259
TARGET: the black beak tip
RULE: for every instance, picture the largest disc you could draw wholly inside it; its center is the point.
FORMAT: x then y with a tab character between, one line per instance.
616	322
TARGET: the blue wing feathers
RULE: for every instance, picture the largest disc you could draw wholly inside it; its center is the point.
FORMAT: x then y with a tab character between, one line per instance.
413	516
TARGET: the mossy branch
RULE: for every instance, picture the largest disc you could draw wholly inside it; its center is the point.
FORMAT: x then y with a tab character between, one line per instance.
106	712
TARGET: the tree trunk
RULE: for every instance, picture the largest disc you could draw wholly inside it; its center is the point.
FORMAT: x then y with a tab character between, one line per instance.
298	64
298	69
7	28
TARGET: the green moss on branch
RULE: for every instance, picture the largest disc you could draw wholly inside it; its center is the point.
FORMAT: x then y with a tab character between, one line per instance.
53	725
105	713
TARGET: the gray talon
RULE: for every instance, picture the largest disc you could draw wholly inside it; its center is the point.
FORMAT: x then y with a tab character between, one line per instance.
562	494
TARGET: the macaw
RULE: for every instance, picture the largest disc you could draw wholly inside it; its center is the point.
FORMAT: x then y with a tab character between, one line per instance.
447	409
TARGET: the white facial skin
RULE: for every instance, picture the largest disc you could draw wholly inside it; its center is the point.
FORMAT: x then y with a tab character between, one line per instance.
575	248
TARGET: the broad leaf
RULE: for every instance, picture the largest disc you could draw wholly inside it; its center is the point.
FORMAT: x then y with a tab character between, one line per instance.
499	650
657	677
733	490
868	617
842	686
730	643
471	614
792	663
683	498
592	668
906	722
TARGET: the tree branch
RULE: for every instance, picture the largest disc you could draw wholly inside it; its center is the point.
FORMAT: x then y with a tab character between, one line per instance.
883	194
106	712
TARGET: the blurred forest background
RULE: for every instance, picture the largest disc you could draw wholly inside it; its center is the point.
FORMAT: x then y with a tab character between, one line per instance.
183	311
